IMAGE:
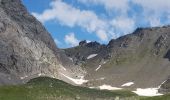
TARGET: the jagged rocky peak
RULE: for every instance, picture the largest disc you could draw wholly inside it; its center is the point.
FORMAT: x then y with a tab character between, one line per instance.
82	43
93	44
27	49
139	56
89	44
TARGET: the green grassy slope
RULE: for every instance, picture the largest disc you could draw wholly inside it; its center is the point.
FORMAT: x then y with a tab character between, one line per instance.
44	88
165	97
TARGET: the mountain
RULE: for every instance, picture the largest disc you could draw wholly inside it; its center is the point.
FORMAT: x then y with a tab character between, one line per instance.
138	62
140	58
27	49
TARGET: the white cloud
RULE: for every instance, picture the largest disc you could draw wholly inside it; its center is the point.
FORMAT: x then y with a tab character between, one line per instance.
154	21
153	10
123	24
70	16
102	35
154	5
118	5
106	27
71	40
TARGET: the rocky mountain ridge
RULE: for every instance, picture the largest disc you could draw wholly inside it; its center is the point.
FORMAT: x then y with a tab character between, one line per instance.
27	49
141	57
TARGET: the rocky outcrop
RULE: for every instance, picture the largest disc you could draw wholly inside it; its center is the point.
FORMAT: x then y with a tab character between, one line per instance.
165	87
141	57
167	55
27	50
80	53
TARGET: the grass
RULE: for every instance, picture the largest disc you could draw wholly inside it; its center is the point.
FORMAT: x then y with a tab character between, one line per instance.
45	88
164	97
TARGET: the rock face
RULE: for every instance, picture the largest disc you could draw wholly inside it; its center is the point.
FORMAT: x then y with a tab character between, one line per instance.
27	50
167	55
165	87
80	53
141	57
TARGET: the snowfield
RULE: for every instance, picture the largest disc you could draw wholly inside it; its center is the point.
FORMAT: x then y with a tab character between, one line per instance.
106	87
127	84
147	92
76	81
92	56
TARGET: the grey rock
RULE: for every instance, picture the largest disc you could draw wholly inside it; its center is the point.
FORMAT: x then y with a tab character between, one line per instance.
141	57
27	49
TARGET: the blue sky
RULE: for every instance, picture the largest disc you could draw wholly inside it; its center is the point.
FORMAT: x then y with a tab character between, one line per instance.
70	21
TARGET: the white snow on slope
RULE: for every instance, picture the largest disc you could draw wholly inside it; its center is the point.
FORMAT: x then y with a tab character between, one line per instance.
64	68
104	62
102	78
23	77
41	74
162	84
147	92
106	87
98	67
71	59
127	84
92	56
76	81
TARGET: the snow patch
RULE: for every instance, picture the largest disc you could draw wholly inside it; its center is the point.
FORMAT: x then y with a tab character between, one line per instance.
162	84
76	81
147	92
23	77
104	62
98	67
92	56
41	74
127	84
105	87
71	59
64	68
108	87
92	87
102	78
